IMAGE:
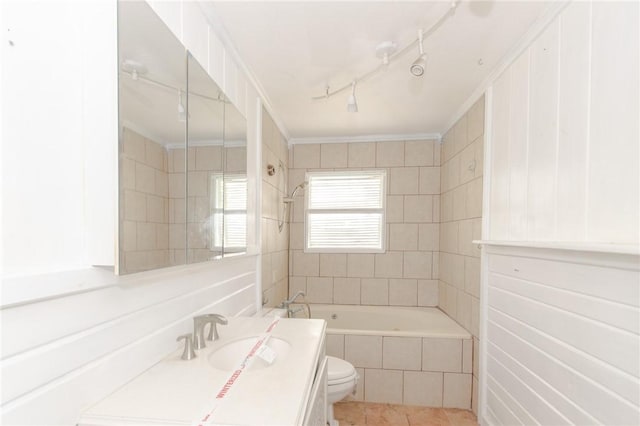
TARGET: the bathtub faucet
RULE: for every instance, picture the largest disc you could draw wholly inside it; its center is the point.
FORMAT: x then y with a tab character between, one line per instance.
285	304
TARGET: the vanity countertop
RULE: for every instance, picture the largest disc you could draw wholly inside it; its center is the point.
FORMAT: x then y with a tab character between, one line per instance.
179	392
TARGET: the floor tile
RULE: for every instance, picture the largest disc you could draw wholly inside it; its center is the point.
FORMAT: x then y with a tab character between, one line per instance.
356	413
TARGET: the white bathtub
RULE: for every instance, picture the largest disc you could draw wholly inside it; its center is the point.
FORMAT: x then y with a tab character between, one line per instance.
387	321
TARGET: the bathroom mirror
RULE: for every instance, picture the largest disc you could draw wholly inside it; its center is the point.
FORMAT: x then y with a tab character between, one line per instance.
152	87
217	171
182	146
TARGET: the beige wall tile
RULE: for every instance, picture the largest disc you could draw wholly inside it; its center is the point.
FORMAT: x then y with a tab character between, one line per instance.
417	264
333	264
451	300
236	159
388	265
145	179
333	155
198	184
461	137
465	231
453	168
436	208
383	386
209	158
418	153
306	156
157	209
346	291
360	265
474	199
463	311
427	293
136	261
176	185
460	202
363	351
428	237
403	292
403	236
267	281
297	236
374	291
297	284
134	146
442	354
319	290
402	353
435	265
128	173
129	238
403	180
474	396
437	150
145	236
176	160
457	271
279	264
362	154
472	276
418	208
395	209
467	355
468	164
479	155
135	206
423	388
448	146
154	154
162	183
306	264
429	180
475	316
475	120
457	391
335	345
390	154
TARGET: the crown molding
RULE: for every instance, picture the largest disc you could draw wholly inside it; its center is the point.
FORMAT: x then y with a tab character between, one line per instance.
532	33
367	138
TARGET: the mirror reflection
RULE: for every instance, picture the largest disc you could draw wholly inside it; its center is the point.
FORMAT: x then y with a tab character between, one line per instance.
151	102
183	157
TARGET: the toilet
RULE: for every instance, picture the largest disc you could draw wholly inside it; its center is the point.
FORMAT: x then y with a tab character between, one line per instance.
341	381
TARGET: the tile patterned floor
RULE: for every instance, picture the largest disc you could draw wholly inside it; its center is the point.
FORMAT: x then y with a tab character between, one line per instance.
353	413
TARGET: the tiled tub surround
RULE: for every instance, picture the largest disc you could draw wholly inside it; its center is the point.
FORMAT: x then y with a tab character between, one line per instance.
460	224
397	361
275	242
145	204
406	274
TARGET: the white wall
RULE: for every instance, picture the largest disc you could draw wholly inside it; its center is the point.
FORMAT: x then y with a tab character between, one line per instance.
72	333
565	139
560	267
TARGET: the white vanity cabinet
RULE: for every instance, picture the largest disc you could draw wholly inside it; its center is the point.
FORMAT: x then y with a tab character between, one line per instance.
290	391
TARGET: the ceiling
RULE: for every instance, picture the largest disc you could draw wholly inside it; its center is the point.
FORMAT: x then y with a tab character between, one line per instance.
295	49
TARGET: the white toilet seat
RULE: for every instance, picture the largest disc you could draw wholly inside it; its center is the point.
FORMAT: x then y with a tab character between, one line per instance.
339	371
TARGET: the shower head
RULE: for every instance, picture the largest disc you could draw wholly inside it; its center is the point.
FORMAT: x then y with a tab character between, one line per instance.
295	191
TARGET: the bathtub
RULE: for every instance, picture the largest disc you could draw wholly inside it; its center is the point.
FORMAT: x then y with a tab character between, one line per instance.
387	321
403	355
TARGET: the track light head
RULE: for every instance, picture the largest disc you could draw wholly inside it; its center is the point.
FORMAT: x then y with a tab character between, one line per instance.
352	105
419	65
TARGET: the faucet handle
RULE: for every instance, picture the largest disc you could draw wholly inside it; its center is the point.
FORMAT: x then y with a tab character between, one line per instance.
213	329
199	322
188	352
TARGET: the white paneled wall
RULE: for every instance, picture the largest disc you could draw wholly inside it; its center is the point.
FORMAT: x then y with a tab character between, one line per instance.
74	333
565	160
560	301
562	342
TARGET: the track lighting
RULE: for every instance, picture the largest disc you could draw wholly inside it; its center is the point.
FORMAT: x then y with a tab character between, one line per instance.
419	65
182	112
388	52
352	105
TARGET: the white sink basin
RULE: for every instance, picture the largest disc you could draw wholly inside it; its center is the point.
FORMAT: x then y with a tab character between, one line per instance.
229	356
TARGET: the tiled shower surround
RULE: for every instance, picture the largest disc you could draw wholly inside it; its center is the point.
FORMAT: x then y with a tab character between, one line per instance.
406	274
432	372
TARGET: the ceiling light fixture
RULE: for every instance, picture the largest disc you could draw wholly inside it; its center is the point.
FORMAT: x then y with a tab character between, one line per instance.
352	105
390	57
418	66
384	50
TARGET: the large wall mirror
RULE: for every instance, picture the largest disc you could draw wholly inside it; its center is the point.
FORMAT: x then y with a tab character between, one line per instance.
182	145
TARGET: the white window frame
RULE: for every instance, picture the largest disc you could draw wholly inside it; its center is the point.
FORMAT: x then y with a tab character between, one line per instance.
228	251
382	211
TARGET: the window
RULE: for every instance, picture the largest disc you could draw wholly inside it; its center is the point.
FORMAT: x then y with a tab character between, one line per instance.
345	212
229	212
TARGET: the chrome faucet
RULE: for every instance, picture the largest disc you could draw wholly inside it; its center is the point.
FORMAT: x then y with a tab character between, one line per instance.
287	303
188	352
199	322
